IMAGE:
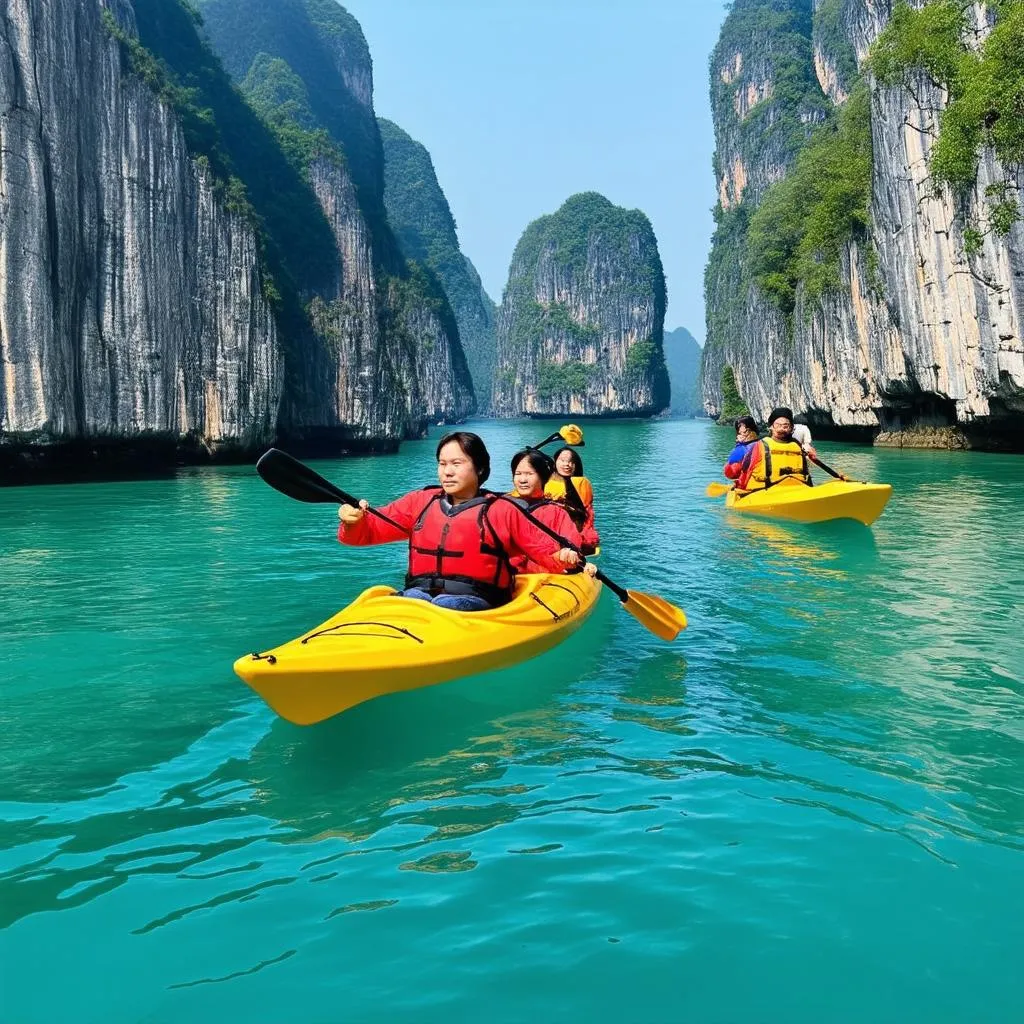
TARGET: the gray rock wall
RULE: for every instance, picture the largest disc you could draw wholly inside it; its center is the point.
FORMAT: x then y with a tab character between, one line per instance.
130	301
920	334
583	336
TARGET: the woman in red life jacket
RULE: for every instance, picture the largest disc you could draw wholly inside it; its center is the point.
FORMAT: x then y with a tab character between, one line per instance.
531	470
461	540
570	488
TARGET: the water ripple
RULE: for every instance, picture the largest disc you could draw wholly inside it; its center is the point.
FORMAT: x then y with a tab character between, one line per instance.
825	770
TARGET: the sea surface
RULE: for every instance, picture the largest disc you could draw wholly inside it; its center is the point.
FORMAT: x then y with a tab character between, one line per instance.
810	807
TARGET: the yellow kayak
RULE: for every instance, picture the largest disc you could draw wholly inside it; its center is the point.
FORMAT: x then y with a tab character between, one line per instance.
799	503
382	643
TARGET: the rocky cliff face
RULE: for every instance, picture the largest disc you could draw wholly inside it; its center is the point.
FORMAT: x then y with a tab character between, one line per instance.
581	322
131	301
386	337
181	278
423	222
763	95
920	341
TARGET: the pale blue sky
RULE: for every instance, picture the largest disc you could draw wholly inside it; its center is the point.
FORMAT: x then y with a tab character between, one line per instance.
524	102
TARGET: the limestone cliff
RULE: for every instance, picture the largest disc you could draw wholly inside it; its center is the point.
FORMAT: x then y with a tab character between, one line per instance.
581	322
902	310
423	222
181	277
389	355
764	95
131	295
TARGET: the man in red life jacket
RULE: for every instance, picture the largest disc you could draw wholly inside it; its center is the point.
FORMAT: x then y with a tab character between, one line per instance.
461	540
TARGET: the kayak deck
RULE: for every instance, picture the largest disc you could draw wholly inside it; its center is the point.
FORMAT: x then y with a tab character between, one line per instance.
799	503
382	643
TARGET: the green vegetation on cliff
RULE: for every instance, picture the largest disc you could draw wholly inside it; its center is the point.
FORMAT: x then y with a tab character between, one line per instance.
315	40
830	38
423	223
773	39
259	138
798	232
733	405
584	220
240	150
566	236
764	51
305	67
584	282
279	96
795	236
725	277
986	91
564	379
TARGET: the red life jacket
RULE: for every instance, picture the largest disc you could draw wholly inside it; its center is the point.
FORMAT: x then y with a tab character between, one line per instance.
454	550
551	514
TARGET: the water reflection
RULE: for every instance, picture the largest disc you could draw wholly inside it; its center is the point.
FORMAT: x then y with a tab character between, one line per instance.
335	782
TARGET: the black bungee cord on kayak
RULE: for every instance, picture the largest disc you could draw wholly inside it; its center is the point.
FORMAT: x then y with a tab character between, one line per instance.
382	636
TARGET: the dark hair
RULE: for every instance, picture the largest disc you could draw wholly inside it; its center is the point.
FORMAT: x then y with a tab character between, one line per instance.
473	446
542	464
575	454
746	421
573	502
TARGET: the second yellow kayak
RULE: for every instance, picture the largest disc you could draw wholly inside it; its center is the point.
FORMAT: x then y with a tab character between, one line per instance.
799	503
382	643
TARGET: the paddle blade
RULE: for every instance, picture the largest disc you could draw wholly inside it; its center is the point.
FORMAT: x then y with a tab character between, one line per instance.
571	434
298	481
716	489
663	619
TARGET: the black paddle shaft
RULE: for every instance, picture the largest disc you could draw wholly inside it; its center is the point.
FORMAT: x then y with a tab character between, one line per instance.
557	436
298	481
828	469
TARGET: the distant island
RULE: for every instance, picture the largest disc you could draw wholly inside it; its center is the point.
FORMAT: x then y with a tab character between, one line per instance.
682	356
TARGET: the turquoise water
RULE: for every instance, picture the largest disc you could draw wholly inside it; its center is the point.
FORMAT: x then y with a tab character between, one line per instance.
810	807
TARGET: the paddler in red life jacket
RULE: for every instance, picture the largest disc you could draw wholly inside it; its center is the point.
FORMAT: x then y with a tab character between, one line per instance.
746	435
531	470
570	488
775	458
461	539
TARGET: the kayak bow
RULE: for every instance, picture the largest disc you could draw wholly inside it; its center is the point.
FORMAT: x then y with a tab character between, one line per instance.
382	643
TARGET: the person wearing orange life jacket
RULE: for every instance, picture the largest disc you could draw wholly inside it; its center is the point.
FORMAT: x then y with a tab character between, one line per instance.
570	488
461	539
531	470
775	458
